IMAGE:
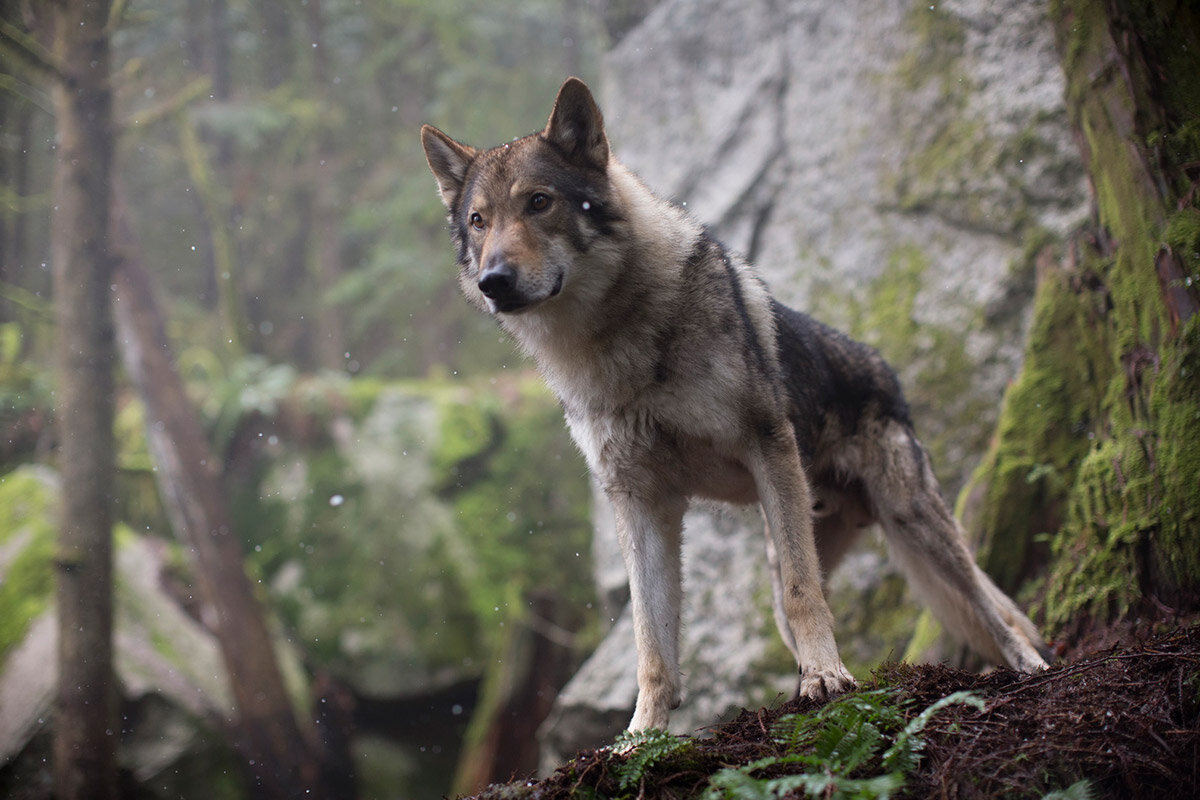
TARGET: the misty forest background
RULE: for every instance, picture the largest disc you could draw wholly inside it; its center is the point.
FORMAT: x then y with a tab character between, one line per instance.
241	401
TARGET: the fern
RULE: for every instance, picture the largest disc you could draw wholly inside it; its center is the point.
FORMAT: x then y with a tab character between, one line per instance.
1080	790
741	785
906	752
644	750
828	748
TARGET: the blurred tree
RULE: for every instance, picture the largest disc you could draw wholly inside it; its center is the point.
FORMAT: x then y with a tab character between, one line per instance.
16	117
321	202
77	63
281	757
335	240
25	122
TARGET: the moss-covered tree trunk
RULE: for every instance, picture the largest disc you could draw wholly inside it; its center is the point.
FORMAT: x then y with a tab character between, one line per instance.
1095	466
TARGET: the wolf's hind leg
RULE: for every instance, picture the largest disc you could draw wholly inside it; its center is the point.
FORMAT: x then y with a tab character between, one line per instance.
928	543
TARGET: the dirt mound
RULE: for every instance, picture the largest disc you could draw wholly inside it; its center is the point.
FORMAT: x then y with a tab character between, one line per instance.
1126	721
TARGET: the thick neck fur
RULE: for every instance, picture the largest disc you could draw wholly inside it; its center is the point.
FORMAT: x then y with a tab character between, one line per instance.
622	296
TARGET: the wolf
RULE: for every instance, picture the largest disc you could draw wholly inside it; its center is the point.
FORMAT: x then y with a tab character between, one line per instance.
681	377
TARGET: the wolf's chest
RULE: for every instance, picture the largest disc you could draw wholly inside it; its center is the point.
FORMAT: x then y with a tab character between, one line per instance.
666	449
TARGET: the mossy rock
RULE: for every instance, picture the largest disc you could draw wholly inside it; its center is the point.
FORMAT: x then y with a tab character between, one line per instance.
168	667
28	503
400	544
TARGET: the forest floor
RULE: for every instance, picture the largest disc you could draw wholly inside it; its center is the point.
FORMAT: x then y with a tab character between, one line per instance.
1121	720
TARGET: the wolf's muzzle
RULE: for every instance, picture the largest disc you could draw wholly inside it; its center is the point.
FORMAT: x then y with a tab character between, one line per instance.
499	284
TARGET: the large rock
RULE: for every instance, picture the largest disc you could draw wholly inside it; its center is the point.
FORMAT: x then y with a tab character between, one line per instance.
889	166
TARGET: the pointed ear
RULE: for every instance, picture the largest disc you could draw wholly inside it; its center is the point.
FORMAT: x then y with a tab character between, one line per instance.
449	161
576	125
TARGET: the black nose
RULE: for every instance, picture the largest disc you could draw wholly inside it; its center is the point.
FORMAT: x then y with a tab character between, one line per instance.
498	280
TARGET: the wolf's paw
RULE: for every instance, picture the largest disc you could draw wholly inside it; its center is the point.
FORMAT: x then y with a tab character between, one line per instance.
650	714
1033	664
1025	655
821	685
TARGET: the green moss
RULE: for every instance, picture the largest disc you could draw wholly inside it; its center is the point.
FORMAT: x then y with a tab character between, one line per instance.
443	504
938	41
469	429
1047	422
885	320
519	495
1117	509
1094	565
360	395
1183	235
1080	28
1175	407
1076	27
932	359
28	505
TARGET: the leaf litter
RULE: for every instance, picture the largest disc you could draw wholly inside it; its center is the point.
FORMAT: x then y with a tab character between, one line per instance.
1123	722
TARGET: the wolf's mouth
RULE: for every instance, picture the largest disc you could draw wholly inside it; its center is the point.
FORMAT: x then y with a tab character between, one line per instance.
512	305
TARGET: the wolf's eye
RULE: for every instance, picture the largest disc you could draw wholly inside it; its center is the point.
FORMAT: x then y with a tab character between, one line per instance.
539	202
477	221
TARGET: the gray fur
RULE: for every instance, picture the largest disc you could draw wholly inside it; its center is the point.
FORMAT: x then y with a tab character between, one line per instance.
681	377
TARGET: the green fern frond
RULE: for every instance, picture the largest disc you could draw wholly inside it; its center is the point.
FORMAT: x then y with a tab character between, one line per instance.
906	751
831	749
1080	790
645	749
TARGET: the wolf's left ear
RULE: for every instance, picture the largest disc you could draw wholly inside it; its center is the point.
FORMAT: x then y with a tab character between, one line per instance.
577	126
449	161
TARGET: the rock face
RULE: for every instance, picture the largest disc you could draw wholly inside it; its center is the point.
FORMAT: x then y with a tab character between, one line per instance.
892	168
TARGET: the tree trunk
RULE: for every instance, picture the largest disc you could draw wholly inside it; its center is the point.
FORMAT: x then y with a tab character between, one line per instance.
1098	445
501	743
85	724
281	759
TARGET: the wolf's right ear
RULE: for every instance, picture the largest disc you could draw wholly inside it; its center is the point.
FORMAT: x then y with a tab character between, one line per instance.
577	126
449	161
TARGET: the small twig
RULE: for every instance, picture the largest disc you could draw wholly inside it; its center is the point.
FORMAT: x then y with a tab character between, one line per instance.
1075	669
30	50
169	107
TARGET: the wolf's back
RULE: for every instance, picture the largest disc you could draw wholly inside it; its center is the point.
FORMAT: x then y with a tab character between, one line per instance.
832	379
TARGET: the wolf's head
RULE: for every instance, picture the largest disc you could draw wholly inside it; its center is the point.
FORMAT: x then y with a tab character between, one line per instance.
525	215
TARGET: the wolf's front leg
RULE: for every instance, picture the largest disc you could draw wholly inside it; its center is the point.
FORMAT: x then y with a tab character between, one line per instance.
787	508
650	534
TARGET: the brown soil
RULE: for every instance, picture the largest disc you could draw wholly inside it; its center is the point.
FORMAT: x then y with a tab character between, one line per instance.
1126	719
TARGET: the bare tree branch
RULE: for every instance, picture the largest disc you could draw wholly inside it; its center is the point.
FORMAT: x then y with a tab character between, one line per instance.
29	51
